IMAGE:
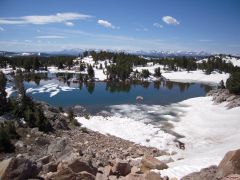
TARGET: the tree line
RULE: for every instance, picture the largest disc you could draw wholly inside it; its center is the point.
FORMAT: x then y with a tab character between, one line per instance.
36	62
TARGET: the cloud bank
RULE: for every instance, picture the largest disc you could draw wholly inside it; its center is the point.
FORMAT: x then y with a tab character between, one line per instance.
40	20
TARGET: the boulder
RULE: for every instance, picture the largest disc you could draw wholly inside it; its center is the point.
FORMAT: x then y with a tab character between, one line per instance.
149	162
205	173
79	166
229	165
59	149
121	168
18	169
232	177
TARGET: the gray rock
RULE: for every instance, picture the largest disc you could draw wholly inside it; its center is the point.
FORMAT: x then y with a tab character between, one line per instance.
59	149
42	141
18	169
121	168
234	103
231	98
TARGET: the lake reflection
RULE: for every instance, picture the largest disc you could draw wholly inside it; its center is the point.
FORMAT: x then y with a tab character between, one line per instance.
98	95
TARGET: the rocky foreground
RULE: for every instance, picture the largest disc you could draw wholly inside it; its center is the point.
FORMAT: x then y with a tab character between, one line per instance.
84	154
74	152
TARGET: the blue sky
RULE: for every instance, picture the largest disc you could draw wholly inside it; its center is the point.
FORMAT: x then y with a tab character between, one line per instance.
50	25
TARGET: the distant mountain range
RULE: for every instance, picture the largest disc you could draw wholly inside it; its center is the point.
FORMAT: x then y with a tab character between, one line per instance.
76	52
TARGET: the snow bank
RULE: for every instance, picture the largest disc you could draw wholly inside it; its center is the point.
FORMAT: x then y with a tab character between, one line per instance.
129	129
184	76
196	76
51	88
210	131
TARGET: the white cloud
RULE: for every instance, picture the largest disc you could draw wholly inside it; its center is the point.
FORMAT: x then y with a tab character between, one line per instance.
170	20
1	29
50	37
106	24
27	41
157	25
69	24
39	20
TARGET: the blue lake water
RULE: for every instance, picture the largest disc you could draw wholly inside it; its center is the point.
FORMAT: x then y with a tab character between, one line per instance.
97	96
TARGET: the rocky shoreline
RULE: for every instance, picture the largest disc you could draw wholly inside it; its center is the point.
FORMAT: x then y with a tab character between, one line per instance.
223	95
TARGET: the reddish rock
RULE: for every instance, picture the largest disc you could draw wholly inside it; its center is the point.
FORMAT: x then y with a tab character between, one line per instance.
232	177
79	166
149	162
229	165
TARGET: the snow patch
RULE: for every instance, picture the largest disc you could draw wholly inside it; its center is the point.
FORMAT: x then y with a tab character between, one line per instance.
51	88
129	129
196	76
